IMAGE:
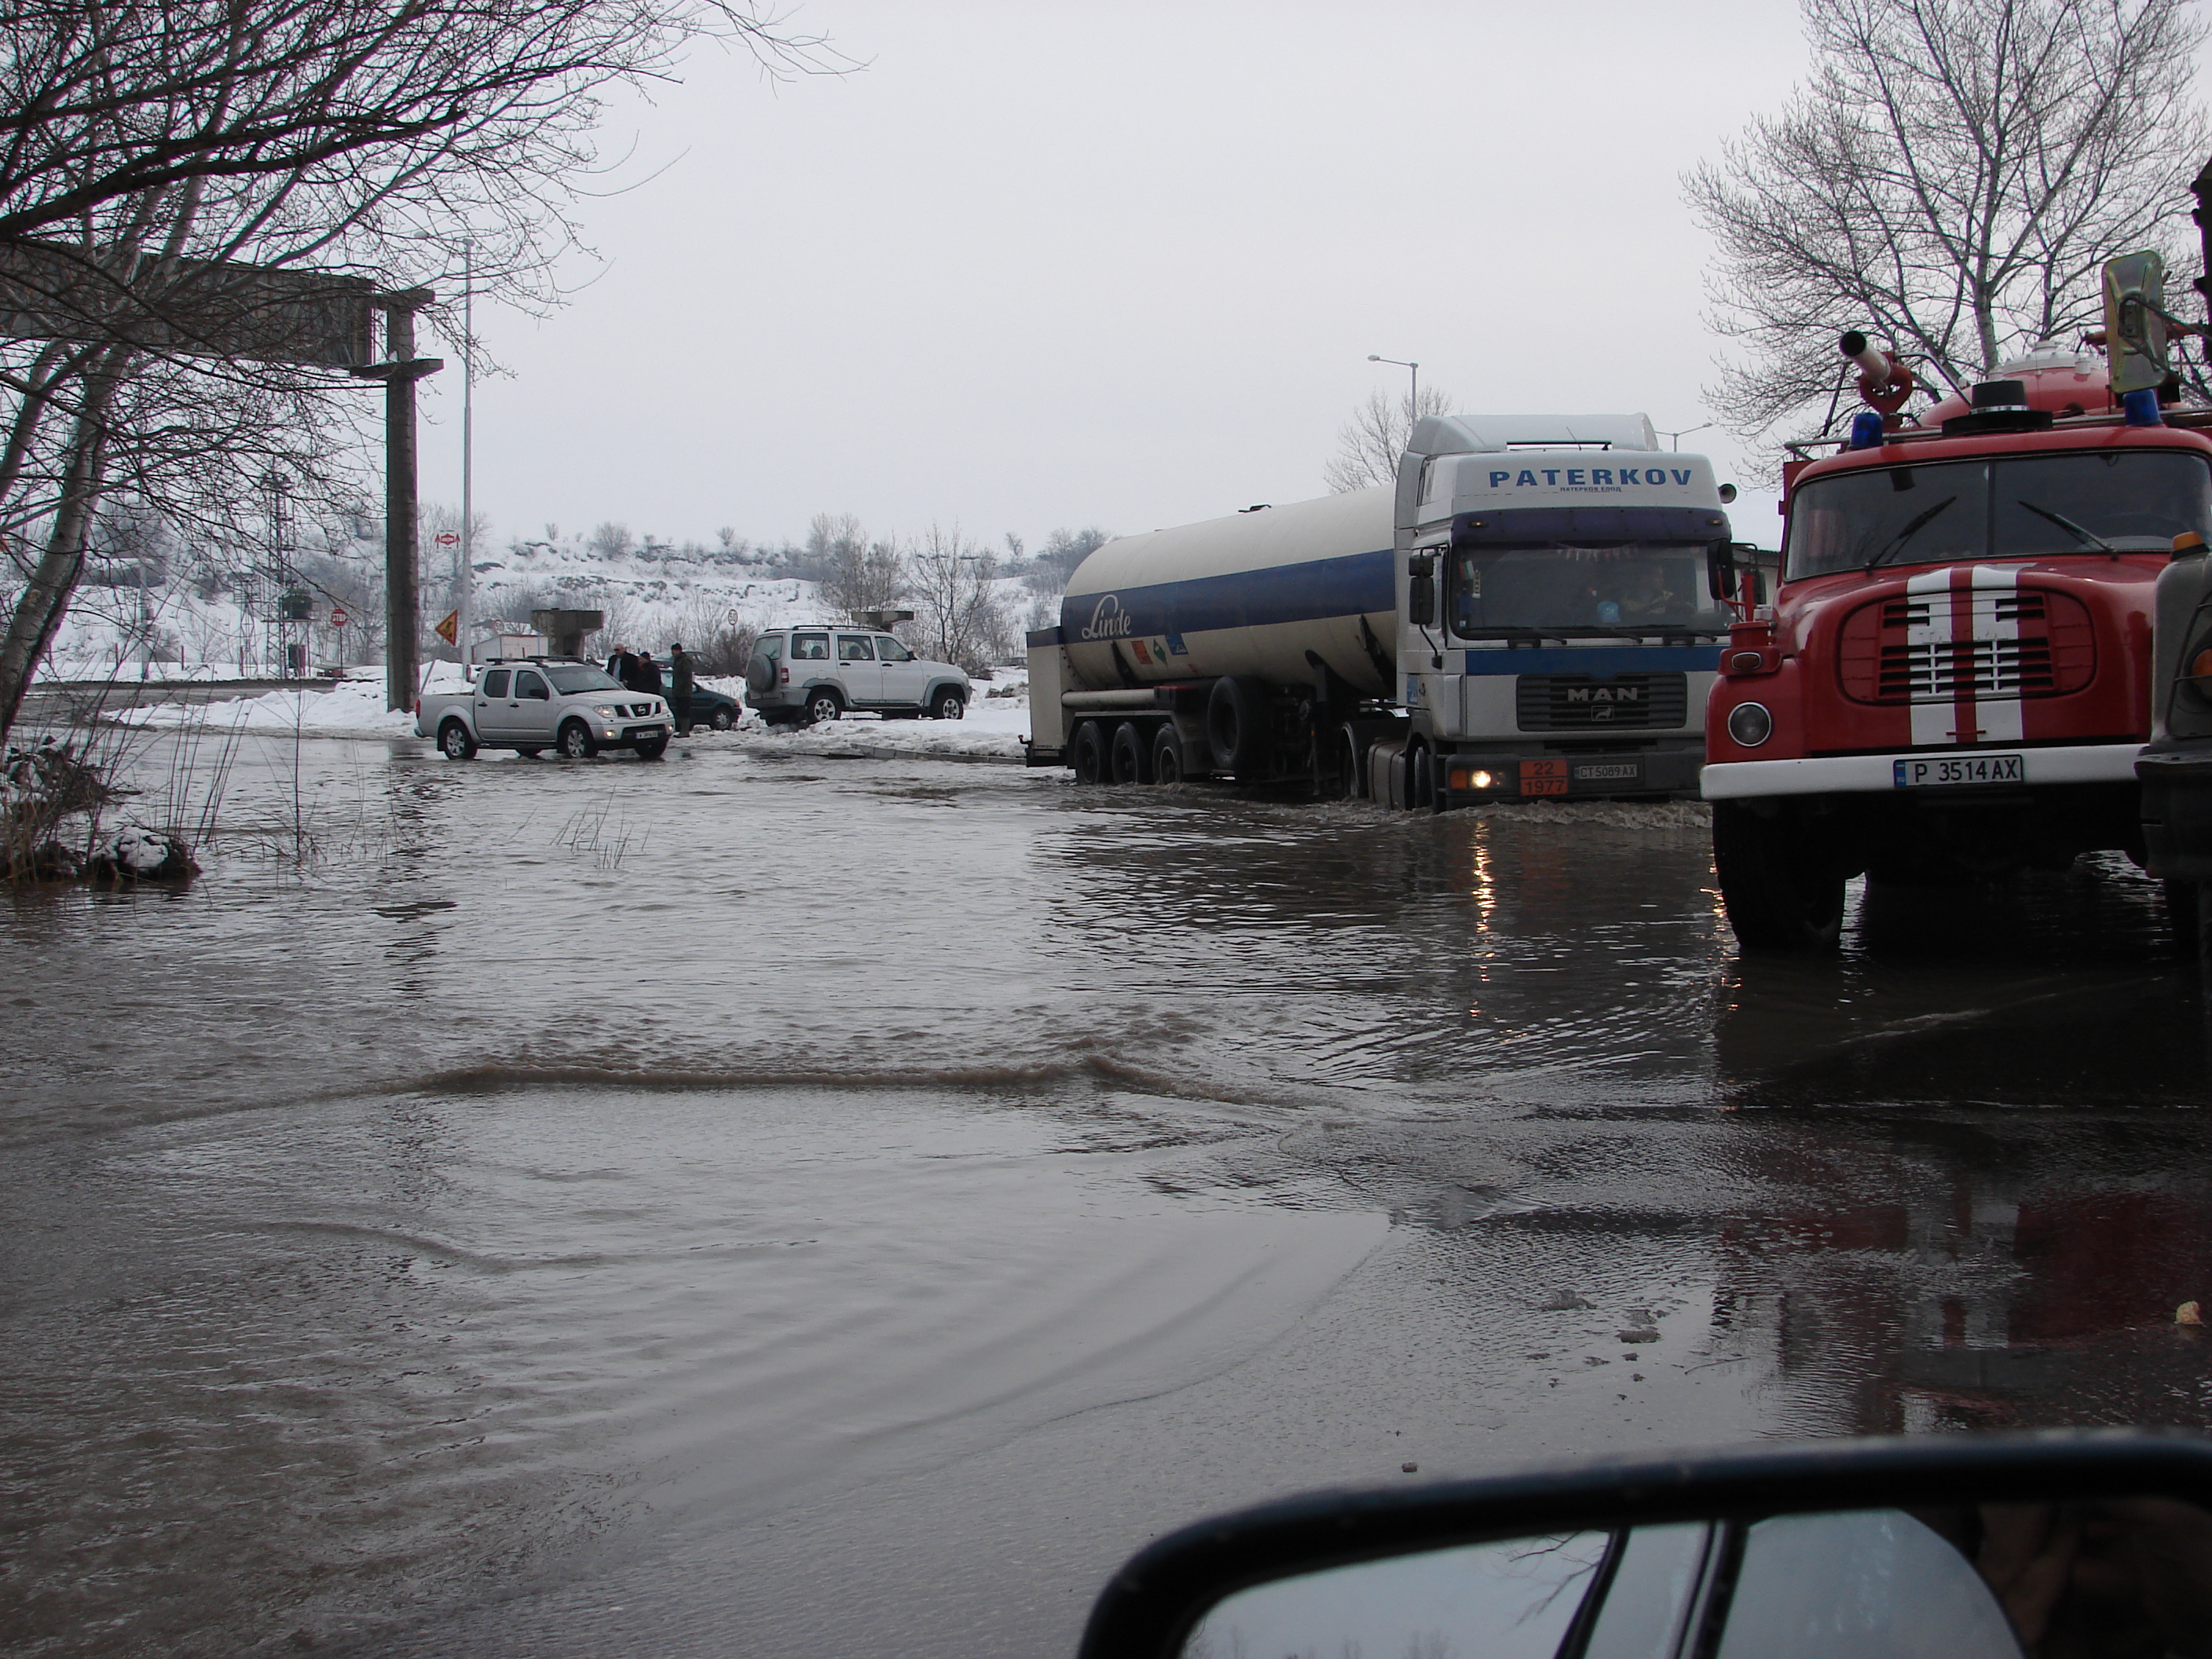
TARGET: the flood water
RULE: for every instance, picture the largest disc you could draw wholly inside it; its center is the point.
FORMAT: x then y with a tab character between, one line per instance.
764	1205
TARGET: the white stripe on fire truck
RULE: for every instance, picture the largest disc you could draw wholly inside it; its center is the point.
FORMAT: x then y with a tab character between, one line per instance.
1967	605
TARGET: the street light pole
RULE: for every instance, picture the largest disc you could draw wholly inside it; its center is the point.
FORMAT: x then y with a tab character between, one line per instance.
1684	433
1413	396
468	572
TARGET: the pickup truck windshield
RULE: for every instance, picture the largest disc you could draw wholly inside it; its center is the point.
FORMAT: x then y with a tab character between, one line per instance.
567	680
1559	588
2025	506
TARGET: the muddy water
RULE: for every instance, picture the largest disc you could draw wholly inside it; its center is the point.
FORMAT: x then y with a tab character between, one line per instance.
766	1206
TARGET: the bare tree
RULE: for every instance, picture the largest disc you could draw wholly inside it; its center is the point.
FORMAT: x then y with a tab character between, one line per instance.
1950	179
959	613
1368	448
610	540
152	146
854	574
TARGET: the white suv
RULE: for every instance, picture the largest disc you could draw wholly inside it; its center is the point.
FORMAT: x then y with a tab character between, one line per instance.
805	675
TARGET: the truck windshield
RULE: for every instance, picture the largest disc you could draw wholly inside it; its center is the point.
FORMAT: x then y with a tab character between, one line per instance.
1505	588
566	680
2025	506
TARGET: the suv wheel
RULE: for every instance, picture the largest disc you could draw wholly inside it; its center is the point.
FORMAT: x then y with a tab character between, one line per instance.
455	741
822	706
948	705
577	741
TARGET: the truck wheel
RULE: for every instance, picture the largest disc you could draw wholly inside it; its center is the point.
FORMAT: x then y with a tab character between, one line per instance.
1088	753
822	707
577	741
1781	894
720	720
651	748
1131	760
1236	726
948	705
1167	756
2186	917
1352	759
532	753
453	740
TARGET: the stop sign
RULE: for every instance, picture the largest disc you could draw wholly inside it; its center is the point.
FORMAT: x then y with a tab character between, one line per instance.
338	615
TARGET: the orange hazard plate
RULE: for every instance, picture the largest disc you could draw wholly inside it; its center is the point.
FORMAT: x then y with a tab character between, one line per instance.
1544	777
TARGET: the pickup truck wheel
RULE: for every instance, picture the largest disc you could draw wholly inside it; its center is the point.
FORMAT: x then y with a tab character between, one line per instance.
720	720
1087	753
822	707
577	741
1782	894
530	753
651	748
948	705
454	740
1131	760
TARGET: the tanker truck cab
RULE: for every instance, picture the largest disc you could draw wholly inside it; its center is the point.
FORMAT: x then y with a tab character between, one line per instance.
1528	613
1953	683
1560	625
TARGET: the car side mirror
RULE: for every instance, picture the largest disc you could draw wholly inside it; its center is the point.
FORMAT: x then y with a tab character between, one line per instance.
1421	590
1987	1546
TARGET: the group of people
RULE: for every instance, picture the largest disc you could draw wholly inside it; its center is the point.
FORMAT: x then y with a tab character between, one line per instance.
637	671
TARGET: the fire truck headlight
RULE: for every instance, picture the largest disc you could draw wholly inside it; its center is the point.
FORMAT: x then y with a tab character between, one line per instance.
1750	724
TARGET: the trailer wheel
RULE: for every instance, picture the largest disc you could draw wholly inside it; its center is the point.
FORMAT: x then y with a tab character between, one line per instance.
1236	726
1088	753
1782	893
1167	756
1130	762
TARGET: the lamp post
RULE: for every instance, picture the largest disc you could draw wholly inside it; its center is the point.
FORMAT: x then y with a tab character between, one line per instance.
1684	433
1413	396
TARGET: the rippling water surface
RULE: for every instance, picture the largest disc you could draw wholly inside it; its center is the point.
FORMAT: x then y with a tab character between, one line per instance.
745	1204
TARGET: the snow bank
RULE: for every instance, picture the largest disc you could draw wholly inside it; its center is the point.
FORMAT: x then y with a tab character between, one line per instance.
351	708
993	731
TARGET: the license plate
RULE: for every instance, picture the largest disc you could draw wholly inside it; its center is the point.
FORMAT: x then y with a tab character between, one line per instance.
1609	771
1543	777
1935	771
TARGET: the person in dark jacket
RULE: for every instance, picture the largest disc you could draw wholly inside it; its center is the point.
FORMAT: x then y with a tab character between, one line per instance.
620	665
680	684
645	674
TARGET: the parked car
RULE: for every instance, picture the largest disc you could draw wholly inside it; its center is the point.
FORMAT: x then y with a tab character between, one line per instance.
805	675
539	703
713	708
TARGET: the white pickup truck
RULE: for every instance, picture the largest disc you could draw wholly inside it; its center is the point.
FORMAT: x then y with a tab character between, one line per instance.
541	703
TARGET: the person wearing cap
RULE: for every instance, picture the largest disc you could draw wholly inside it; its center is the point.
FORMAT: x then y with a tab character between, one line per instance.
680	682
645	674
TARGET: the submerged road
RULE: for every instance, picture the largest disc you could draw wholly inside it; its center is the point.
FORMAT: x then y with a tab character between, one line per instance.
778	1205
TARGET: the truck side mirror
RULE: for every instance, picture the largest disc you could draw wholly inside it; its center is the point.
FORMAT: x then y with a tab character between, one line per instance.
1421	592
1720	570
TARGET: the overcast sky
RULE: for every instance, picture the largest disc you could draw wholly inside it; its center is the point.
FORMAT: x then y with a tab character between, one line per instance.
1041	264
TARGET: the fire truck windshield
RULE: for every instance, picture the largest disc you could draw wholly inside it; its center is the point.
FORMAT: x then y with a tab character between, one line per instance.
2023	506
1506	588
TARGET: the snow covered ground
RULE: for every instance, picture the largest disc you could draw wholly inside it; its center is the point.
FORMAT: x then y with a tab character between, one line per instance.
354	708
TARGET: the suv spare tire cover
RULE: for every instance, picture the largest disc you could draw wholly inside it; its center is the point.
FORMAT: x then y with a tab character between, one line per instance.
760	675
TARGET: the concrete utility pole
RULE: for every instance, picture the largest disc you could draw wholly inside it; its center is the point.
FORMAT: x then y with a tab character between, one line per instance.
464	596
399	371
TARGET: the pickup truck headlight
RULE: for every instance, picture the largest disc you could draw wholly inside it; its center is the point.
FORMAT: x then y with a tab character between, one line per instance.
604	711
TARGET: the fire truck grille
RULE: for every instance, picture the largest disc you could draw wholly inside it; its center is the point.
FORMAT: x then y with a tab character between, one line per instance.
1575	703
2027	644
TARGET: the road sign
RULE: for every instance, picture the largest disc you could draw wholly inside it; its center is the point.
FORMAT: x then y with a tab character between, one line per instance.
735	615
447	538
338	615
450	630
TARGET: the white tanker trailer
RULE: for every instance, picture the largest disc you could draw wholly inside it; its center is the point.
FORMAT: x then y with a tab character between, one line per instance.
1536	610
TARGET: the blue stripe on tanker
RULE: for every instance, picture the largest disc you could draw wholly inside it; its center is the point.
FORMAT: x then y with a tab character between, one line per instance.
1356	584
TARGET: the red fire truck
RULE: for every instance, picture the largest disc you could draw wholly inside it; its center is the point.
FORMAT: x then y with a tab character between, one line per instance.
1952	682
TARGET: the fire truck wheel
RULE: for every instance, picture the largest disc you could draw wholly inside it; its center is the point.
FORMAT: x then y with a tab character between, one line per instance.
1781	894
2186	914
1088	753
